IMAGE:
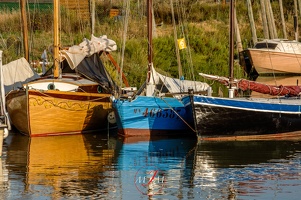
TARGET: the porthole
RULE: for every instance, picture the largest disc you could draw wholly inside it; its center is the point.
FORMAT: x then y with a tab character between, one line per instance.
99	89
51	86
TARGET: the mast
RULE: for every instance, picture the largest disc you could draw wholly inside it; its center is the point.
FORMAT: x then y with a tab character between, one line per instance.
150	36
56	70
231	61
150	84
25	29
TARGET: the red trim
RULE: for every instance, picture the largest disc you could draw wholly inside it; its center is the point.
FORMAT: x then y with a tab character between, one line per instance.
71	133
147	132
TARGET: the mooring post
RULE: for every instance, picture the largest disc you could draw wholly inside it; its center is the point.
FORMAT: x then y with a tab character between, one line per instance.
1	106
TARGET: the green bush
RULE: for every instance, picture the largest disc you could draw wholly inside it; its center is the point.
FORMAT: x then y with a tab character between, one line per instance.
204	24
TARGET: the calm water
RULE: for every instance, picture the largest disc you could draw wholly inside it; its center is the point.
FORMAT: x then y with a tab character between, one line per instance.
111	167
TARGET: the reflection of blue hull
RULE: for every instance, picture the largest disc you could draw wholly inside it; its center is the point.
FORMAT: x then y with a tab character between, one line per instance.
220	116
151	116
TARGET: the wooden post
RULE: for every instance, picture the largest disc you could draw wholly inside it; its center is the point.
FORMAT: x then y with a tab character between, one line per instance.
2	107
1	144
239	44
175	40
24	29
92	2
296	21
282	19
269	19
299	6
272	19
238	38
264	20
251	18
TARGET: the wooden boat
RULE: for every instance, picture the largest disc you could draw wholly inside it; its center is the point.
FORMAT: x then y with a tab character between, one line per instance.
151	111
38	112
275	56
75	98
216	116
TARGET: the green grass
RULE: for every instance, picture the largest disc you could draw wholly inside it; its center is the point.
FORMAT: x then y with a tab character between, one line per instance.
9	6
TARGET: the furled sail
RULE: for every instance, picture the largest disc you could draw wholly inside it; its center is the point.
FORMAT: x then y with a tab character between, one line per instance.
76	53
262	88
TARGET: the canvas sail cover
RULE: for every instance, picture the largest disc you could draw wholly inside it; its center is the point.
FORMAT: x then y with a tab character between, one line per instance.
76	53
92	68
84	59
17	73
175	85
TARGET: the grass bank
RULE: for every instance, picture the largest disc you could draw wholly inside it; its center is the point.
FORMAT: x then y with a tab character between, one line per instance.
204	24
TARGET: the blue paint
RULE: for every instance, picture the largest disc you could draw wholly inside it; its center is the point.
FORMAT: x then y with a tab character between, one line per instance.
152	113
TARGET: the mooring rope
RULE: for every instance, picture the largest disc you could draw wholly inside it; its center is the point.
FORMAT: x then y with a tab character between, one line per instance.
179	116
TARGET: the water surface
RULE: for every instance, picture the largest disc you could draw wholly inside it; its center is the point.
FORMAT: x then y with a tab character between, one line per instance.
104	166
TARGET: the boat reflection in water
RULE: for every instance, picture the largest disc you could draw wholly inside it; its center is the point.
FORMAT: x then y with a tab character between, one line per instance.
61	166
113	167
248	169
156	166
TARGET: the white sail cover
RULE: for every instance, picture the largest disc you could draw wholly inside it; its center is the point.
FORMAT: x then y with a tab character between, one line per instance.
175	85
75	54
17	73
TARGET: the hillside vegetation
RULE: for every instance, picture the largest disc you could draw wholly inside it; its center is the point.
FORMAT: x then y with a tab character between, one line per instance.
204	25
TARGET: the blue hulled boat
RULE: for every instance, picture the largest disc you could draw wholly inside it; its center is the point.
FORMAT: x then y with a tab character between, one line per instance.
156	109
150	115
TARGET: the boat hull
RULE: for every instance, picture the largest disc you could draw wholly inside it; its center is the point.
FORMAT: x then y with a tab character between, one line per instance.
223	116
52	112
272	62
152	116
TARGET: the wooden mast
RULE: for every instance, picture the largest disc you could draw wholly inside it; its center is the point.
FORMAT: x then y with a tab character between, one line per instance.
150	36
150	82
231	61
56	70
25	29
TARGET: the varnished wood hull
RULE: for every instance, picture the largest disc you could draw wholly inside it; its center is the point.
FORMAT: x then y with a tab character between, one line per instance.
38	113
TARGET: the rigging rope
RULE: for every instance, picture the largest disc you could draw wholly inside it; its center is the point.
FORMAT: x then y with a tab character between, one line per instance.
124	35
